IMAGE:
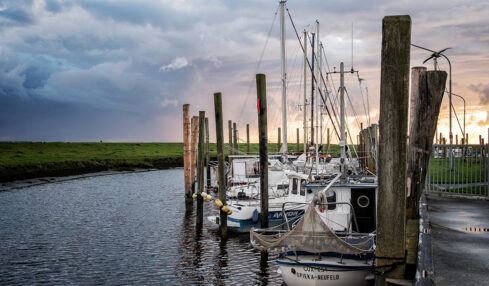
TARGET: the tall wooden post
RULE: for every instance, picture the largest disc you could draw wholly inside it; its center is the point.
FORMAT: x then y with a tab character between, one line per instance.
431	86
207	153
193	149
456	139
298	142
247	138
415	71
393	121
235	139
220	162
230	147
263	139
200	168
328	139
187	162
278	141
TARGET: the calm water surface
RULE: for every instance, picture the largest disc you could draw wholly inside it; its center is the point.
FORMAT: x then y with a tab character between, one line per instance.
117	230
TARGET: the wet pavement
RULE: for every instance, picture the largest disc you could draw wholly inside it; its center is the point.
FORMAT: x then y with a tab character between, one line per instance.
459	241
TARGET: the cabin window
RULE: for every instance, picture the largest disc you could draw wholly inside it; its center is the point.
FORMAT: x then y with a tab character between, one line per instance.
252	169
331	198
294	186
303	188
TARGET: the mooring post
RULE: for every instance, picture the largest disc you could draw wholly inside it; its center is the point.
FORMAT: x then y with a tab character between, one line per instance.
220	162
230	147
298	142
278	141
431	86
235	139
263	139
328	140
207	154
415	72
247	138
187	157
361	147
393	121
200	169
194	140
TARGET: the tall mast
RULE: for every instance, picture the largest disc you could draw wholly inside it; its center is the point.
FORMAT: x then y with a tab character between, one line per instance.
284	94
312	90
305	91
320	88
317	100
342	117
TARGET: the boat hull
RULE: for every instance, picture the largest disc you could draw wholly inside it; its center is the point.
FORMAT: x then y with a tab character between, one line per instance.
326	273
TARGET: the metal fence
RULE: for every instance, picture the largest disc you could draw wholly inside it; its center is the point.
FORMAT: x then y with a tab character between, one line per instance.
465	173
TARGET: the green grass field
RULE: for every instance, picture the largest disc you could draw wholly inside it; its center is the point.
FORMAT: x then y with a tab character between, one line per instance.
23	160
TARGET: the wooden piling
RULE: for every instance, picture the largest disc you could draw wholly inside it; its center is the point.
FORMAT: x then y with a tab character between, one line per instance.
278	141
431	86
263	140
247	138
235	139
220	162
393	121
200	169
328	139
415	71
230	147
298	142
193	149
456	139
187	157
207	154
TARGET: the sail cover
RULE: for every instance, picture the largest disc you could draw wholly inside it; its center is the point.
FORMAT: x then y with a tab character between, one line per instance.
311	234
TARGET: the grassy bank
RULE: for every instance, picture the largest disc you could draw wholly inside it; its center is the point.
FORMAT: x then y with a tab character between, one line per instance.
25	160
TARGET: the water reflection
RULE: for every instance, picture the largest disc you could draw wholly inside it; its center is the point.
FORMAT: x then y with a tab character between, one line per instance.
120	229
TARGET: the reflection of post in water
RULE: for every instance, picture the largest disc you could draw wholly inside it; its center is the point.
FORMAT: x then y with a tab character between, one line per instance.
197	262
221	260
263	274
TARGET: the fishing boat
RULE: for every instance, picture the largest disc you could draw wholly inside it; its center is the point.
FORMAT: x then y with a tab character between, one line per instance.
333	243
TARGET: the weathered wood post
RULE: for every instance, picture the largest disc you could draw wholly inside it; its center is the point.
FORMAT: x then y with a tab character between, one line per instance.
247	138
263	139
220	162
187	157
415	72
200	169
230	147
298	142
235	139
194	140
278	141
361	148
431	86
393	121
456	139
328	139
207	154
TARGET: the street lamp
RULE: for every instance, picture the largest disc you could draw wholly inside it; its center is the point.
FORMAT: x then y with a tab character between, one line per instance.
434	56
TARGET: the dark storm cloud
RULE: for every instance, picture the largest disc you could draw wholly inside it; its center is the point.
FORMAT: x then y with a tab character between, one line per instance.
483	91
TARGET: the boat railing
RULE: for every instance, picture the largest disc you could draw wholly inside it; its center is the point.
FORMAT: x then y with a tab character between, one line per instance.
352	211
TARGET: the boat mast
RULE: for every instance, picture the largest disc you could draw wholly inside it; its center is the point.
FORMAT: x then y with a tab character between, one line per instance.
342	117
312	90
305	92
321	88
284	94
317	100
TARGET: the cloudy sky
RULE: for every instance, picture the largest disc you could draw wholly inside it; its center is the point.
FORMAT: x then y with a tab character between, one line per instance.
120	70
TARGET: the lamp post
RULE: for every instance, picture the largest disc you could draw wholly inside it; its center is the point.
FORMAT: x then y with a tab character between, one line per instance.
436	55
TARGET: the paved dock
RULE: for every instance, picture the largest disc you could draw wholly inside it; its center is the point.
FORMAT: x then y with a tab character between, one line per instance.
460	256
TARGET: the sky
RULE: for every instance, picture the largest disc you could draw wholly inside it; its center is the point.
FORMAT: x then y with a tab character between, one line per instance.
120	70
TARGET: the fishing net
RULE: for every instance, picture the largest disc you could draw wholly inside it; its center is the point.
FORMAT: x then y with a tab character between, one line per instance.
310	234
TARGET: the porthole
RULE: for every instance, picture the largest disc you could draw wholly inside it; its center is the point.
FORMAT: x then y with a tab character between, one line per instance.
363	201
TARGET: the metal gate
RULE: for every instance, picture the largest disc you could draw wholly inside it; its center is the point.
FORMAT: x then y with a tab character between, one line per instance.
465	173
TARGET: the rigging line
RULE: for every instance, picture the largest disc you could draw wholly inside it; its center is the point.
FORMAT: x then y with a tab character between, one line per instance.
456	116
310	68
356	119
367	114
258	64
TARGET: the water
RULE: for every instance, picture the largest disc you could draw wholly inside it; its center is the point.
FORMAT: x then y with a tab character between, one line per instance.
120	229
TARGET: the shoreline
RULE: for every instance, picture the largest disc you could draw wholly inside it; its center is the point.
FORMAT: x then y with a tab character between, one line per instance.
27	183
